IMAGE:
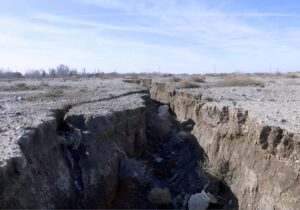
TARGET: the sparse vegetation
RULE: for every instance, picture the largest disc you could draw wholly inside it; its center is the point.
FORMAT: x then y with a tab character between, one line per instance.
184	83
238	79
293	75
21	86
53	92
131	81
83	89
44	84
132	77
209	99
160	196
175	79
199	79
18	87
187	82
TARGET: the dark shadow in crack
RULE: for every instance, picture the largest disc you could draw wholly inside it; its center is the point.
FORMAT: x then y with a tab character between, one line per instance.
170	169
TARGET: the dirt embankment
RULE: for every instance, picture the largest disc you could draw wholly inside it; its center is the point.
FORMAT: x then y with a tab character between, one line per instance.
71	160
259	163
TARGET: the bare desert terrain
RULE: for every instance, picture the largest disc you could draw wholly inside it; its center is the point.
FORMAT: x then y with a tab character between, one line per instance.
213	141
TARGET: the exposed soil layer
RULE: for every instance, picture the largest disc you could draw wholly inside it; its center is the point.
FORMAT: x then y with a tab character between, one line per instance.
172	161
130	149
71	160
259	162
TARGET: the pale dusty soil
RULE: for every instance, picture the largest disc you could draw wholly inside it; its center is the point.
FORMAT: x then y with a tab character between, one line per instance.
277	103
20	110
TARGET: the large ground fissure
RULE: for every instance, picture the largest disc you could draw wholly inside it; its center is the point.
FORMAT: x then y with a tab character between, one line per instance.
171	168
166	174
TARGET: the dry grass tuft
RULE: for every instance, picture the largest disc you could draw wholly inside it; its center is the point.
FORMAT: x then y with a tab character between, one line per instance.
160	196
83	89
135	81
21	86
238	79
53	92
18	87
44	84
175	79
187	84
292	75
199	79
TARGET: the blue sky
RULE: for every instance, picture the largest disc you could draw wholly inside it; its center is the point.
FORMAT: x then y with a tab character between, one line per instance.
176	36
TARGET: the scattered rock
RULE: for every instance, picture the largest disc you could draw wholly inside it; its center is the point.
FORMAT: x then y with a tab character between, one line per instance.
201	200
18	113
163	111
158	159
17	98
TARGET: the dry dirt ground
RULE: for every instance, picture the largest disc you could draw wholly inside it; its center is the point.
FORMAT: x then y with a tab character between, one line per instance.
271	100
276	102
26	103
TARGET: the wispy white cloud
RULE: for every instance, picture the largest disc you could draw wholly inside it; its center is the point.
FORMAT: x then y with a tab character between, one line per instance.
146	34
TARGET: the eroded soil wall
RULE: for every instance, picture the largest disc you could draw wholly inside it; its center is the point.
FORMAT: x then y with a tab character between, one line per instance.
72	162
259	163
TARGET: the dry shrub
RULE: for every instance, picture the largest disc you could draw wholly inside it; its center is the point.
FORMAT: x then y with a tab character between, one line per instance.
18	87
198	78
21	86
175	79
187	84
83	89
44	84
160	196
292	75
136	81
132	77
53	92
237	79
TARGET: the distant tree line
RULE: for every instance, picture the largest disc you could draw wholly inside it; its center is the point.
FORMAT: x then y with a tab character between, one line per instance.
60	71
65	71
7	73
